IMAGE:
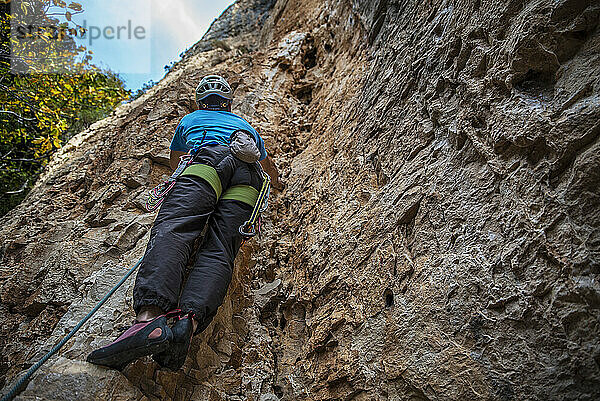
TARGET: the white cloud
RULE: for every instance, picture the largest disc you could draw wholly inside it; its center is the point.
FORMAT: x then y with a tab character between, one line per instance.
181	23
172	26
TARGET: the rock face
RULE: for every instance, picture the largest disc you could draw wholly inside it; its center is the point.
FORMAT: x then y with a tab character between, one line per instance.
438	238
240	20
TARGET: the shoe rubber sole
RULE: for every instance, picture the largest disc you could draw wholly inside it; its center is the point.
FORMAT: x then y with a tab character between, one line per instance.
118	361
113	357
166	360
174	356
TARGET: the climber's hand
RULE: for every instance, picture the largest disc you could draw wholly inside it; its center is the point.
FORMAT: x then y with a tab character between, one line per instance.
271	169
174	158
278	184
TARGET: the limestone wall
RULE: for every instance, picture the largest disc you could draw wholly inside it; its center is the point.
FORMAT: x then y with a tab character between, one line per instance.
438	237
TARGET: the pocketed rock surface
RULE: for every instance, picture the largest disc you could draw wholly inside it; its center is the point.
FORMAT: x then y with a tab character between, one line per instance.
438	237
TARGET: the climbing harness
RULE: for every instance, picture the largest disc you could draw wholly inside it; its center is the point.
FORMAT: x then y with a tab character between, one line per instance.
250	227
243	193
160	192
247	194
17	387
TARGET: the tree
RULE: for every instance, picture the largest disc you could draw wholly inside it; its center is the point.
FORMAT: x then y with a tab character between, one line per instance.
49	91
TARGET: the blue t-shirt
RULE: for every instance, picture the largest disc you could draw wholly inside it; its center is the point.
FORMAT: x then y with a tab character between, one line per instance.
219	125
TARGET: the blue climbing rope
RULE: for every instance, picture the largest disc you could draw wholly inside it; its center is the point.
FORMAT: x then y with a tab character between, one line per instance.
16	388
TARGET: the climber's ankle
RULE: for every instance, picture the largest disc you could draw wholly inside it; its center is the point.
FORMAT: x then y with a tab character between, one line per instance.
148	313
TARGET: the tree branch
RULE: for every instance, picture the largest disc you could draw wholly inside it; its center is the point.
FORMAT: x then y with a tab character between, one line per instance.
20	117
23	160
20	190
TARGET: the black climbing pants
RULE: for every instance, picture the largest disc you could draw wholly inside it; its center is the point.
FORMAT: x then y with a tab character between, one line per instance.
182	217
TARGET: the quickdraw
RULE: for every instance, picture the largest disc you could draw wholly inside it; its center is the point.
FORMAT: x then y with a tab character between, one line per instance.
159	193
251	227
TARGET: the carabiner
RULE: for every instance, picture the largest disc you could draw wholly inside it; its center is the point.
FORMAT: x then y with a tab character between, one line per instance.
247	234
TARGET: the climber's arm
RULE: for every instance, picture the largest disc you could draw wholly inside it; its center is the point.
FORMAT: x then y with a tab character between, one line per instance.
175	155
270	168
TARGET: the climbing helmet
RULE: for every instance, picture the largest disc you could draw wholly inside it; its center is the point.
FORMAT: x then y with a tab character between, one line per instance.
213	85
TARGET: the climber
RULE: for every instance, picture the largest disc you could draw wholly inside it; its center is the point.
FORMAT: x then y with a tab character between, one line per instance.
220	189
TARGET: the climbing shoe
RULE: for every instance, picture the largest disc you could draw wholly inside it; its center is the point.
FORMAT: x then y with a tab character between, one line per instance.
174	356
141	339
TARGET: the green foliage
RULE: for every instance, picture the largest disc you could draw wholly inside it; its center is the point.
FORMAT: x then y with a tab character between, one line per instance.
60	94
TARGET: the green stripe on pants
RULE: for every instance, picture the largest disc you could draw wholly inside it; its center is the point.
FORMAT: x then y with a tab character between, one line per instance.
242	193
207	173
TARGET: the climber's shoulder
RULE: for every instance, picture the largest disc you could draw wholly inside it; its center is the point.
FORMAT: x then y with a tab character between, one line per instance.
211	118
212	115
238	118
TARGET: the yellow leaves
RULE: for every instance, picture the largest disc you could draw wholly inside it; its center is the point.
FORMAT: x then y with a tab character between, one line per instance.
60	101
24	6
49	108
44	145
55	105
75	7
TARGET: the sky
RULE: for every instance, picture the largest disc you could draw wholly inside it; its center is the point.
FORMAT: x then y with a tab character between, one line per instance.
137	38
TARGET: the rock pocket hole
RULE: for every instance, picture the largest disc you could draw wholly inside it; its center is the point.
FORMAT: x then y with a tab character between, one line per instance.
536	83
304	93
278	391
282	322
388	296
309	58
